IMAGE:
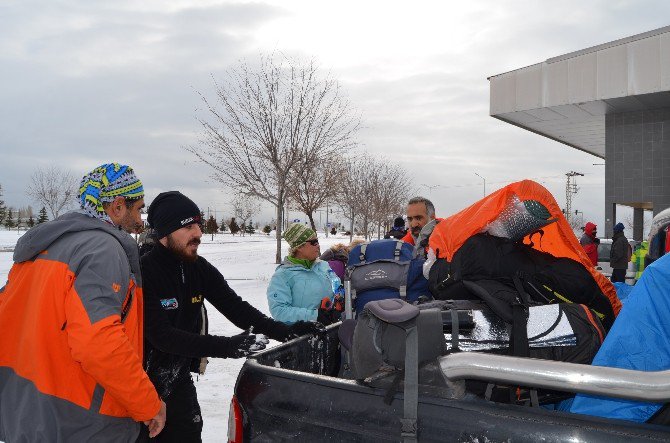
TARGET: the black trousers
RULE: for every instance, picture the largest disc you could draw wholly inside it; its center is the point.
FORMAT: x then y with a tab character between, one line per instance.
618	275
184	419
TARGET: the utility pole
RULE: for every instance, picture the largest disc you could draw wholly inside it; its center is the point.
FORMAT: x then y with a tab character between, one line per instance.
570	190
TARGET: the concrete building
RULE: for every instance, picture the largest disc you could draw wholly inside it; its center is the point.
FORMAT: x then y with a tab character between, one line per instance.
610	100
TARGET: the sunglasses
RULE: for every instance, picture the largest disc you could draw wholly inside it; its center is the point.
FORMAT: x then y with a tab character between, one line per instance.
313	242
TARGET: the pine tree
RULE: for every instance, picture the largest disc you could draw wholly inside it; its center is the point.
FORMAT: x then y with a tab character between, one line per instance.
9	220
234	228
42	217
223	227
31	221
267	229
211	226
18	221
250	228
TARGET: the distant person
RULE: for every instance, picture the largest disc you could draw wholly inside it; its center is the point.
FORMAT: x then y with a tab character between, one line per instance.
619	254
422	221
337	256
300	283
398	230
177	283
590	242
71	316
639	254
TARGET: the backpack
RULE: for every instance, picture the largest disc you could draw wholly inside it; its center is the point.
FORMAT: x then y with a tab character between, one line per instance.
544	278
384	269
518	212
393	332
506	322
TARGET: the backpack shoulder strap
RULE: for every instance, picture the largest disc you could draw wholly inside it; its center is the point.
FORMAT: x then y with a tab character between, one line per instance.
361	257
411	394
398	249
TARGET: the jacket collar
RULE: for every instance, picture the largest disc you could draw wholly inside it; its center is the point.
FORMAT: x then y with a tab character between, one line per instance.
289	264
164	256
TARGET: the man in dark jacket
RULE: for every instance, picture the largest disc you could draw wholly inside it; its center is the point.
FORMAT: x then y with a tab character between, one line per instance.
619	254
177	282
398	230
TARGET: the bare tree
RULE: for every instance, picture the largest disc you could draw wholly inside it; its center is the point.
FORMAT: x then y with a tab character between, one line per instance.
3	208
314	182
245	207
373	192
390	193
54	188
26	212
349	197
265	120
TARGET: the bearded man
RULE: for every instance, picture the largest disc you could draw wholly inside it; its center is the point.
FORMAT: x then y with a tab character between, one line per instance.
177	282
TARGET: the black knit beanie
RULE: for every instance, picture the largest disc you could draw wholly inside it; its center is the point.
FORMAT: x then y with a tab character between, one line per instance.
170	211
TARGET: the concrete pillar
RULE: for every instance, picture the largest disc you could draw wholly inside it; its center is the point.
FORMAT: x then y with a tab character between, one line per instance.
637	166
638	223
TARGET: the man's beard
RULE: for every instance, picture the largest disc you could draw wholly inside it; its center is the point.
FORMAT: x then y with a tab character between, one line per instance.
180	251
129	225
415	232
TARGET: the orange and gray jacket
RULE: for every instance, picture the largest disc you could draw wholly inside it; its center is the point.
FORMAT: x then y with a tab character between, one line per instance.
71	341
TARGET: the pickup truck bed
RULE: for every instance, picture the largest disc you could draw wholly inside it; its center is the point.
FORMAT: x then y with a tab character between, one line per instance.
292	392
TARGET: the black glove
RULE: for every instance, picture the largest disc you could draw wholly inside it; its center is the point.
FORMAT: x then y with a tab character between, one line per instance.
281	332
300	328
327	316
243	344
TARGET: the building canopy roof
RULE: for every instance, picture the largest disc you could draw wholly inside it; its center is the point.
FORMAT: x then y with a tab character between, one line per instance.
566	98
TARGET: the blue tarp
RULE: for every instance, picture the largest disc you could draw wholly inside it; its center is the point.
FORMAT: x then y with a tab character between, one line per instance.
639	339
623	290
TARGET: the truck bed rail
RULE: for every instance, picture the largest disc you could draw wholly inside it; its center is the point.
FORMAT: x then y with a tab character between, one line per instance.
561	376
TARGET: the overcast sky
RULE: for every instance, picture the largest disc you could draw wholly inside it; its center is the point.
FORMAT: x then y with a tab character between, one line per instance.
85	83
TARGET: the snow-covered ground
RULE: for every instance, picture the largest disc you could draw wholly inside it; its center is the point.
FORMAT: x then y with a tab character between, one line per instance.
247	263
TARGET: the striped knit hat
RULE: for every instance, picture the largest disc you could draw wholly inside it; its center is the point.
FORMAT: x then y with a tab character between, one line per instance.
104	184
297	234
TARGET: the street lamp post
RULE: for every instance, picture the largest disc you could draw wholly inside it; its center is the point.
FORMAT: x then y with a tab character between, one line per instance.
484	182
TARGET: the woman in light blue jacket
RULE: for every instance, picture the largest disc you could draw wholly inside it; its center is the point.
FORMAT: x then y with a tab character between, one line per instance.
302	280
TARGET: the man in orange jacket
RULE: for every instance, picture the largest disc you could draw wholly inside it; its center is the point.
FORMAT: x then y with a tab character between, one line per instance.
72	323
420	211
422	221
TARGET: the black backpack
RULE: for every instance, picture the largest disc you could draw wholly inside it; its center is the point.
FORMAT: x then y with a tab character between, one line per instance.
544	278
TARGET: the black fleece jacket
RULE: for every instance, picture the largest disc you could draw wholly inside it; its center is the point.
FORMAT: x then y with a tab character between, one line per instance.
174	292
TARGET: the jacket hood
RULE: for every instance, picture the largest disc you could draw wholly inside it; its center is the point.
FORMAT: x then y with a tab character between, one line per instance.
590	228
331	254
42	236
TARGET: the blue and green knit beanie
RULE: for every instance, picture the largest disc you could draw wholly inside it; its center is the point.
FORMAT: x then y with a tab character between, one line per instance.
104	184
